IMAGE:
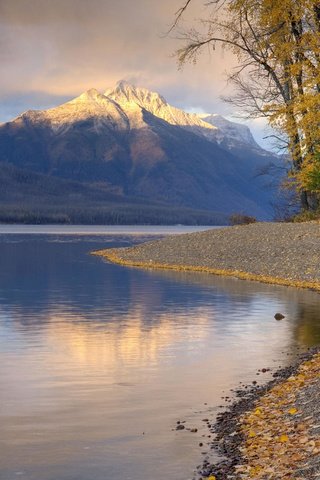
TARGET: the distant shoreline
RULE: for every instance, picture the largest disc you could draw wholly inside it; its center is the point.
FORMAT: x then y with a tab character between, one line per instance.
285	254
81	229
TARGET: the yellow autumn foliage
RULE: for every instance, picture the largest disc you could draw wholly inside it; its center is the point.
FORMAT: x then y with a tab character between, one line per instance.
277	45
277	444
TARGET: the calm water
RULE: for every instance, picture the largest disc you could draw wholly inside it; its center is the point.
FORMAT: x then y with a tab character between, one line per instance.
98	361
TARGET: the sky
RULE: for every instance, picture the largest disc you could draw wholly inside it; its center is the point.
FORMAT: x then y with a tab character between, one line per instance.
53	50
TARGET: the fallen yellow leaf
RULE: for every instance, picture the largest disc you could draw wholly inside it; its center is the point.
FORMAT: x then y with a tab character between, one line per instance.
254	471
293	411
284	438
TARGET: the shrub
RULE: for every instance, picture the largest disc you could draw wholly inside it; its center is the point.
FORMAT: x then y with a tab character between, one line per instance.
306	216
241	219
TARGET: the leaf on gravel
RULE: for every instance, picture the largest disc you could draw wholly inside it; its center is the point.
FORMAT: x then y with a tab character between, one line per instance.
284	438
293	411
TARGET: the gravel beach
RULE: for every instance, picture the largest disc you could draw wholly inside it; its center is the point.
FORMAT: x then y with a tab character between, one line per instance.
270	432
281	253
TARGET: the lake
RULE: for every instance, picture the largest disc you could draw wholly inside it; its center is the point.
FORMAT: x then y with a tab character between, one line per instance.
99	361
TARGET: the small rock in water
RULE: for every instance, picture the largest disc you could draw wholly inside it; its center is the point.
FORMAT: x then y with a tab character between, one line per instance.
279	316
180	427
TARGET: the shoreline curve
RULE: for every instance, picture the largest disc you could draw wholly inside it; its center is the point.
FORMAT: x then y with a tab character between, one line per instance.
114	258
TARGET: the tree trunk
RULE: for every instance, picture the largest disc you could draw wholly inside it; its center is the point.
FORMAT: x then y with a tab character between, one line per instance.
309	201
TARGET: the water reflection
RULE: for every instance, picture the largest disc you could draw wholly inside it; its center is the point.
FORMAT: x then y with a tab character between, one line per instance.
126	340
93	355
301	307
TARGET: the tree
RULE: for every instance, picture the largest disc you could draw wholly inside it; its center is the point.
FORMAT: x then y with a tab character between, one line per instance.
277	45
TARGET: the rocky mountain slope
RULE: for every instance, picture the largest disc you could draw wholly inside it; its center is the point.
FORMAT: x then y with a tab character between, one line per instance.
231	133
131	144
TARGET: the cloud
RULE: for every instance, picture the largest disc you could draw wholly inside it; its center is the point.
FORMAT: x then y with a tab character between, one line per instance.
67	46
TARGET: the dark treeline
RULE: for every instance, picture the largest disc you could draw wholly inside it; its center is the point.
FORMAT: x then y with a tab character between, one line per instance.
108	215
32	198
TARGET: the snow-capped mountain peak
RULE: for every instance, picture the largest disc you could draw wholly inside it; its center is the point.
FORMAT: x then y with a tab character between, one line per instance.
93	105
133	148
232	132
128	95
123	107
124	93
91	95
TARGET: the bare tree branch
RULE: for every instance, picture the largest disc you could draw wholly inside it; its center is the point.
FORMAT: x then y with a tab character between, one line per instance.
179	13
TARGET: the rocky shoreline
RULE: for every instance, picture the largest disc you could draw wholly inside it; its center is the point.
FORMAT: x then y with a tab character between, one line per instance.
271	431
278	253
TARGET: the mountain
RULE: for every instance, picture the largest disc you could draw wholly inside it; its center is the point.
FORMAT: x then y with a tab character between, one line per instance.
212	126
129	149
129	96
230	133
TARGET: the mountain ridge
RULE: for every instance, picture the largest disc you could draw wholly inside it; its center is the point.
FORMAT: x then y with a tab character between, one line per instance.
133	142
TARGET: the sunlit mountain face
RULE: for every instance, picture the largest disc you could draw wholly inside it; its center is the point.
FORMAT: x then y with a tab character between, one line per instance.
129	149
